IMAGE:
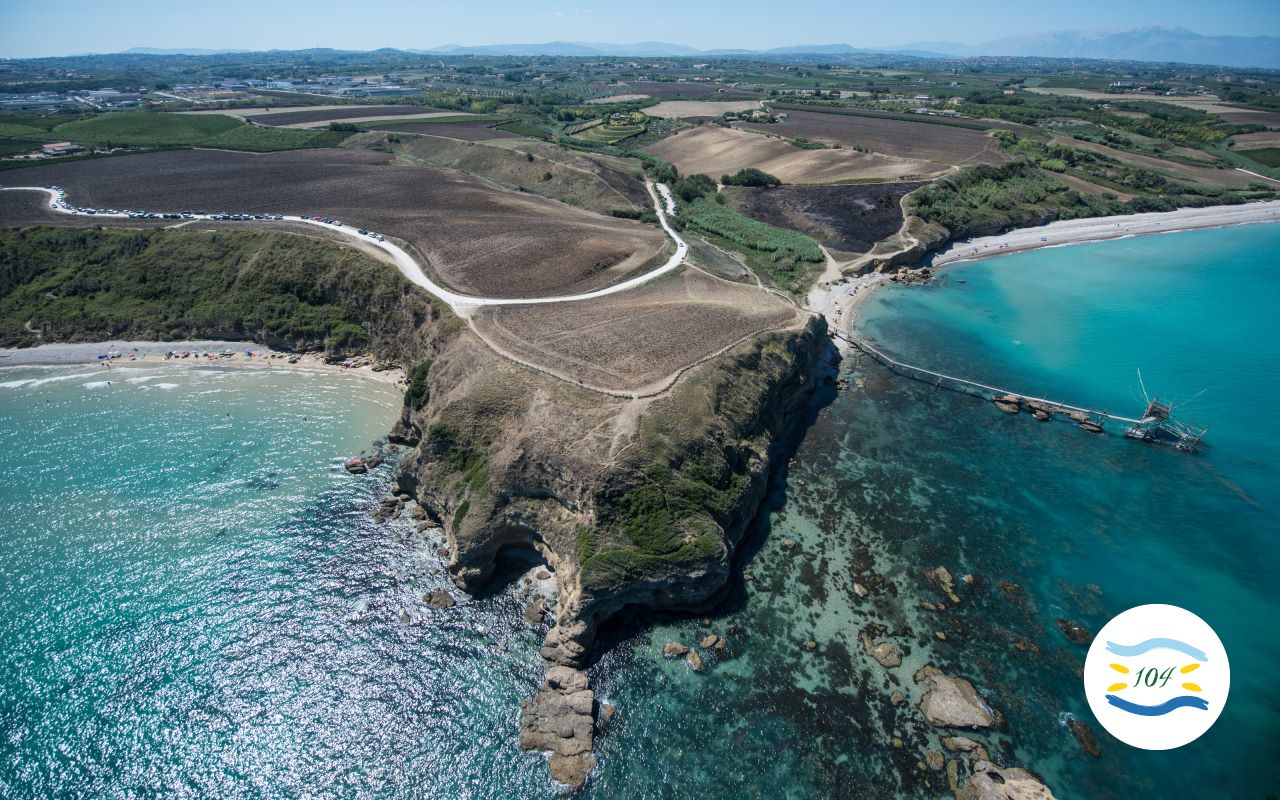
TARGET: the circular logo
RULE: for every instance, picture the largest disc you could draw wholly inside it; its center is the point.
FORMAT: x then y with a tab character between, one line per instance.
1156	677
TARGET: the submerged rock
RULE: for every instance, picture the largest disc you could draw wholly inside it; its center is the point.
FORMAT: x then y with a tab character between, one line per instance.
1085	736
1074	631
558	720
1008	403
989	782
952	702
960	744
934	759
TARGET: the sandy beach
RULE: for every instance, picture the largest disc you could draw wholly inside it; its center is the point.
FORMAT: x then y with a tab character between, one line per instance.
211	352
1092	229
838	301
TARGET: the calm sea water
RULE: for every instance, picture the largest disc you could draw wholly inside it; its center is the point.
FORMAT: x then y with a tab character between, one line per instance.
194	601
197	604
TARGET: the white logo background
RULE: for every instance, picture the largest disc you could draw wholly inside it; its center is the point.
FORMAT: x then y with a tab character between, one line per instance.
1180	726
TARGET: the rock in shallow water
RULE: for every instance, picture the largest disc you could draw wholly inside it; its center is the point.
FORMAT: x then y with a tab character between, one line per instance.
558	719
535	610
1074	631
673	650
1085	736
989	782
952	702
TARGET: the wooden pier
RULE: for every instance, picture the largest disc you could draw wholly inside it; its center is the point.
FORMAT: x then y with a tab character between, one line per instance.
1184	437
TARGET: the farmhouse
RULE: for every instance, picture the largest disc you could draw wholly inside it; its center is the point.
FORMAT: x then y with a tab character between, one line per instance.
60	148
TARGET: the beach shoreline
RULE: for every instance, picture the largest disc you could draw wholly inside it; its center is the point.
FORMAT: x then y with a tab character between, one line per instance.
152	354
1097	229
839	301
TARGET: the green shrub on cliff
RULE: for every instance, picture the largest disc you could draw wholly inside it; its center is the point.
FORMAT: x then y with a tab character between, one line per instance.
419	393
668	515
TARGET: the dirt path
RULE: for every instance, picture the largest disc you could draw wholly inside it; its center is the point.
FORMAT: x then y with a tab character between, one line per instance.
461	304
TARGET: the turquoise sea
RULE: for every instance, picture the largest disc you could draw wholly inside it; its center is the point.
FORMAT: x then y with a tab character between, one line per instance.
194	601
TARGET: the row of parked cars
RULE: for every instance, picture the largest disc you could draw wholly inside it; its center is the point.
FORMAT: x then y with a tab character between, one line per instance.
60	202
337	223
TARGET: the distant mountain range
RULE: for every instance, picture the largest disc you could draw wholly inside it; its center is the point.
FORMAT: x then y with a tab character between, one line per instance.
1152	43
179	51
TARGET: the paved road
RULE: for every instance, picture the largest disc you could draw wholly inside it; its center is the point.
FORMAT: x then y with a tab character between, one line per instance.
461	304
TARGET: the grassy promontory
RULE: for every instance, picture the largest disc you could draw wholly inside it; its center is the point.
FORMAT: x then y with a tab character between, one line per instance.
288	291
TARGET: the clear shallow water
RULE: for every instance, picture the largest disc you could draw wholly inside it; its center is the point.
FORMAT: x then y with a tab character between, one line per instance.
201	606
194	601
895	478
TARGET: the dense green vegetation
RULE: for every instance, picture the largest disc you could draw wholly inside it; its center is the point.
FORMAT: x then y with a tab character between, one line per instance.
788	259
691	187
667	517
750	177
1165	121
658	169
419	392
63	284
984	199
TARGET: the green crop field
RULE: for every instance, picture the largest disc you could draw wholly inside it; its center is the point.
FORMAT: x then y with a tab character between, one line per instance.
608	131
149	129
788	259
1266	156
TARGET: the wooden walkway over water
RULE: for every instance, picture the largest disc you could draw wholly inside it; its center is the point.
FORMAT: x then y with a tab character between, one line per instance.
967	386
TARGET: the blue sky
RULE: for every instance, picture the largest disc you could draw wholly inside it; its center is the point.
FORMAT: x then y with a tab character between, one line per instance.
80	26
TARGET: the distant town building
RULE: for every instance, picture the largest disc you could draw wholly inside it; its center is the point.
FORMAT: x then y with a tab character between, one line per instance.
61	148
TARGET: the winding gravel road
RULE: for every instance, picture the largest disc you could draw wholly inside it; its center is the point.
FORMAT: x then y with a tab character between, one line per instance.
462	305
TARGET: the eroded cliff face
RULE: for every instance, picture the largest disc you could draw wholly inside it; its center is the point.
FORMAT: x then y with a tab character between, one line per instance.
631	502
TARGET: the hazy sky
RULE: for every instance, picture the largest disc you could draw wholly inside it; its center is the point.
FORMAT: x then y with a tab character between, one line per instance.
79	26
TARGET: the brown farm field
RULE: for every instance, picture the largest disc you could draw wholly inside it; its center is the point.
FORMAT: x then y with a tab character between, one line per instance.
717	151
668	90
1250	141
340	113
847	219
635	341
535	167
942	143
465	130
475	238
677	109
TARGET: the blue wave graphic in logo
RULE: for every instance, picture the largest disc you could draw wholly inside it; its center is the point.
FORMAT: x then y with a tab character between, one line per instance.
1156	644
1159	710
